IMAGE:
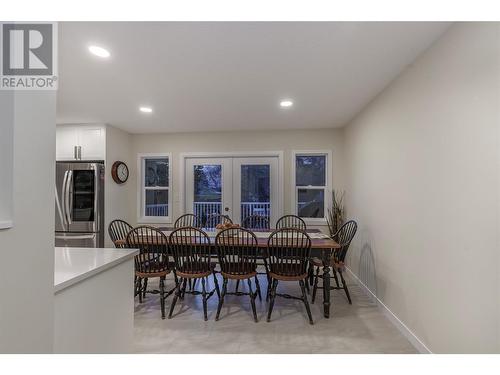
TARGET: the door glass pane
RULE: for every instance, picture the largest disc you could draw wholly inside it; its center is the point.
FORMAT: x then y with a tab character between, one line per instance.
255	190
83	195
207	190
310	170
156	174
311	203
156	203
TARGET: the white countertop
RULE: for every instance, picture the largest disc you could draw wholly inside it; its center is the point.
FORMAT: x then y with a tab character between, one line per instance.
74	264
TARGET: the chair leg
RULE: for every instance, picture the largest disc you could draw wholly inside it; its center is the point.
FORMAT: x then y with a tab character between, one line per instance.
176	279
217	290
306	302
310	273
221	299
252	300
307	286
162	296
272	297
344	285
176	295
190	285
183	289
145	287
269	288
335	277
315	287
139	288
237	286
257	286
204	295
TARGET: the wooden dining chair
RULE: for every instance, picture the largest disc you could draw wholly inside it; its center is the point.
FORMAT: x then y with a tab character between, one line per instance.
256	222
192	254
291	221
187	220
343	237
237	251
215	219
287	255
152	261
118	230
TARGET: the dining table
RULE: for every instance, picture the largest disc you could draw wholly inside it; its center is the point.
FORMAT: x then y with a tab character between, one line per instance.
322	246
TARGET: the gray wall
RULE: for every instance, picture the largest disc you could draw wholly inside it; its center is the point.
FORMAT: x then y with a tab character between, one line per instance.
422	163
27	250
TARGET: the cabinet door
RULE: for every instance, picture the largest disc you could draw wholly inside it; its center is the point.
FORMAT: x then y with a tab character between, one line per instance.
92	141
66	140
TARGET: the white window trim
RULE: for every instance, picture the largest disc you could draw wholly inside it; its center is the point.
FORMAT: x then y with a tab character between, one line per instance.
328	187
141	218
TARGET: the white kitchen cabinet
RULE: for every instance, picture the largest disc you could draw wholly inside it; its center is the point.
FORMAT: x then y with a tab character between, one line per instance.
92	141
89	141
66	140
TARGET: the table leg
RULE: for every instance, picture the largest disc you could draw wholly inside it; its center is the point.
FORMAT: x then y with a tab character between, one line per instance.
326	286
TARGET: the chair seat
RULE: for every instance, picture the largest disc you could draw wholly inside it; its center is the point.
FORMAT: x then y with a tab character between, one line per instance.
195	271
319	263
235	270
146	275
281	277
150	267
287	272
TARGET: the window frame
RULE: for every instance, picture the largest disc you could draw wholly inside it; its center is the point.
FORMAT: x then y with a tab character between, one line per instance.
327	187
141	189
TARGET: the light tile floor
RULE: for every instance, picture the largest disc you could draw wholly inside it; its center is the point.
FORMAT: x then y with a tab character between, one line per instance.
356	328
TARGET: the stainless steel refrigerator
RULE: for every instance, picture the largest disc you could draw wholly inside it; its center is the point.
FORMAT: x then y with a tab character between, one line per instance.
79	204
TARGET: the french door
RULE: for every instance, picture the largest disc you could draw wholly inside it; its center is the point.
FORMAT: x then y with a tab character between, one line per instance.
234	186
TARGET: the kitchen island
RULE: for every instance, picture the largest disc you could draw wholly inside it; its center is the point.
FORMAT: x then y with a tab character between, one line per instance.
94	300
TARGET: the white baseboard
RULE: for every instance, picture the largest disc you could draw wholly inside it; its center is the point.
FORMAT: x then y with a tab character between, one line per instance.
414	340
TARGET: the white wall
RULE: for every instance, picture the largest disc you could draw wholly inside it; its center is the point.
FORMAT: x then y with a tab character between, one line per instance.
287	141
422	163
27	250
119	200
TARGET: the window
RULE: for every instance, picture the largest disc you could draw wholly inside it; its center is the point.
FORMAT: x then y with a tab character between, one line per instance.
311	185
155	198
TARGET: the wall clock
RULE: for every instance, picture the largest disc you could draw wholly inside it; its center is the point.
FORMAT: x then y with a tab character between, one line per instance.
119	172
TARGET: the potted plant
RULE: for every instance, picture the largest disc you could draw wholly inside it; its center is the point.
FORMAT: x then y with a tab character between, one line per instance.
336	213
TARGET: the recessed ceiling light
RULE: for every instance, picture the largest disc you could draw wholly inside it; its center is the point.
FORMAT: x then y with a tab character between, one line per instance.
286	103
146	109
99	51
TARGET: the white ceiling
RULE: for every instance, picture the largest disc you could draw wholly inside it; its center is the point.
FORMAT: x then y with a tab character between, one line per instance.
221	76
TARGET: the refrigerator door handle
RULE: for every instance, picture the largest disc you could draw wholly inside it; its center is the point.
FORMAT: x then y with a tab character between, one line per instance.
78	237
63	198
67	194
59	209
96	199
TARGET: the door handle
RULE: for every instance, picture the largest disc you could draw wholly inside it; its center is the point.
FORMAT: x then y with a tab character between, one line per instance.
69	182
64	216
80	237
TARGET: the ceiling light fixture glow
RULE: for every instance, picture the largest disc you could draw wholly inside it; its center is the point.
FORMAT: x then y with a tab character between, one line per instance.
146	109
99	51
286	103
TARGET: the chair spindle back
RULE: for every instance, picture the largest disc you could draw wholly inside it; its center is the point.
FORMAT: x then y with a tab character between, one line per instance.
237	251
288	252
